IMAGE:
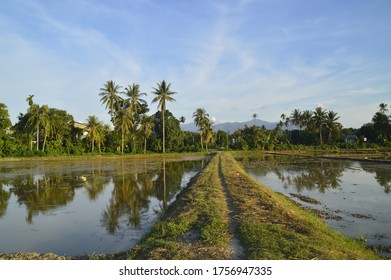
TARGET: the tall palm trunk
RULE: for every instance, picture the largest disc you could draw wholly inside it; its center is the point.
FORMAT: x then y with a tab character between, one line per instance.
164	132
202	142
44	142
38	138
122	142
163	93
320	135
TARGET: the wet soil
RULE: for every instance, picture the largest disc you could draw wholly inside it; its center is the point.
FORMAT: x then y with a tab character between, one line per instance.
305	198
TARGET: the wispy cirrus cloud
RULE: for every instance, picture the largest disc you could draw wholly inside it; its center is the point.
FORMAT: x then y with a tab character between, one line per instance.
271	56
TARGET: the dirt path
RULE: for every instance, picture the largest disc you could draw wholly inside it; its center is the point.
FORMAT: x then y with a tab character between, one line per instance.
233	215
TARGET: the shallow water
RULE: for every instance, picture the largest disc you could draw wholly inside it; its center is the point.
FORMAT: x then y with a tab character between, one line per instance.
355	197
74	207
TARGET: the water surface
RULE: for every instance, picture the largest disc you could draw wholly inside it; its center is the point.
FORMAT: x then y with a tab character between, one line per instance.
355	197
74	207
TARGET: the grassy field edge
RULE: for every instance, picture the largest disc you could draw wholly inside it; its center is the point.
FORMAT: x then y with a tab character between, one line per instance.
273	227
194	227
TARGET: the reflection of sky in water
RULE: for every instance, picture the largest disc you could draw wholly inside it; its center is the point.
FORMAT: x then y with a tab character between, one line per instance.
76	227
361	202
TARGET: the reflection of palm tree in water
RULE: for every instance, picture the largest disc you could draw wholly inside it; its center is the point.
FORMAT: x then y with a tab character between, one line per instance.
95	183
321	175
164	185
4	197
382	176
130	197
127	201
43	194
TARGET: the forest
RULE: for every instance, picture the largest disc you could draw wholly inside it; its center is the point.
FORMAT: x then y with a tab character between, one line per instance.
46	131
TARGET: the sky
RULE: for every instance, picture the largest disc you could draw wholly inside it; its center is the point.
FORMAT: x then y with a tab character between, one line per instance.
234	58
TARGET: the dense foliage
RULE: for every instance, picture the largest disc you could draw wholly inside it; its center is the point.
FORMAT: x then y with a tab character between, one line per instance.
43	130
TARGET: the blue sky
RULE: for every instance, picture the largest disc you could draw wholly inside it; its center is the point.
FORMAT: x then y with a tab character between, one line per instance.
233	58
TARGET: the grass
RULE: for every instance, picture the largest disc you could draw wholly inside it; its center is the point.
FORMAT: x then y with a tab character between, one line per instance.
272	227
104	156
194	227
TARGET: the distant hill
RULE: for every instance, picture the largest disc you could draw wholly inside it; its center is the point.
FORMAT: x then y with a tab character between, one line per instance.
231	127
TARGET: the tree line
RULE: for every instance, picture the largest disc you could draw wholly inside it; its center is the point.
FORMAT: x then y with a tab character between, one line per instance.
43	130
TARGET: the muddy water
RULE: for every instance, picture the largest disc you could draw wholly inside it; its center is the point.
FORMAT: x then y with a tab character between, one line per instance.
354	197
86	206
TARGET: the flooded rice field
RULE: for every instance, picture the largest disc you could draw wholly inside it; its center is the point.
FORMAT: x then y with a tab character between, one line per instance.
354	197
75	207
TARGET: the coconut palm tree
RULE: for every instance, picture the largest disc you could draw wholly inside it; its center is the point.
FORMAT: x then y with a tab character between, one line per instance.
255	116
296	118
332	124
383	108
103	132
35	120
110	97
208	133
45	122
94	127
146	129
30	100
319	119
135	101
382	123
136	105
163	95
306	120
124	121
201	119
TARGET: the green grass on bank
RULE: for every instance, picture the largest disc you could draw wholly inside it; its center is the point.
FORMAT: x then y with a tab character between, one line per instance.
105	156
273	227
195	225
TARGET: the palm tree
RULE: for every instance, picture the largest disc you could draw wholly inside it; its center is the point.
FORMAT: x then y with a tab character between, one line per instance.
332	124
124	121
45	121
382	123
30	100
146	129
110	97
201	118
296	118
135	102
255	116
136	105
163	94
103	132
319	119
94	127
35	120
208	133
284	120
306	119
383	108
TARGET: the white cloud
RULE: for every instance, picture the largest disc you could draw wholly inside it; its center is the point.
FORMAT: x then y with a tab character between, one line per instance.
222	56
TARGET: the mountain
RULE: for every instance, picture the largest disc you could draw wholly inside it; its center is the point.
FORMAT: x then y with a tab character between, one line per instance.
231	127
